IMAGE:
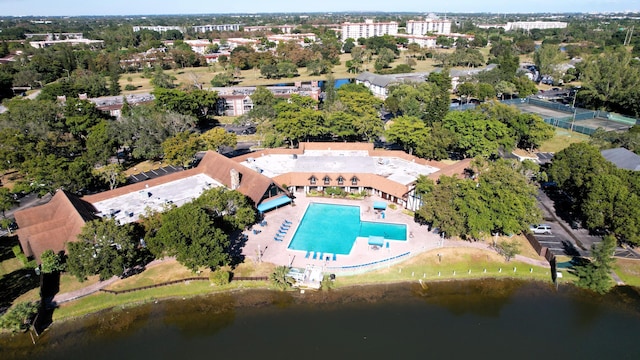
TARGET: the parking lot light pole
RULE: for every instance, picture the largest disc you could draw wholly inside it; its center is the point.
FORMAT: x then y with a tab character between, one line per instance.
573	105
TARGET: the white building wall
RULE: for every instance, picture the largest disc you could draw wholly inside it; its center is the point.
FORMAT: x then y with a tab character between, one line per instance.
422	27
368	29
530	25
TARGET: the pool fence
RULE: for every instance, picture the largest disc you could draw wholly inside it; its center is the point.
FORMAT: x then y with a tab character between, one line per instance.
362	268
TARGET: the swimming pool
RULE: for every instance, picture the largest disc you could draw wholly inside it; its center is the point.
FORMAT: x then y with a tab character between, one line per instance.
332	229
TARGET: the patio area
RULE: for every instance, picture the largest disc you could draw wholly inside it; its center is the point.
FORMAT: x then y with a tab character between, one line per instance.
263	247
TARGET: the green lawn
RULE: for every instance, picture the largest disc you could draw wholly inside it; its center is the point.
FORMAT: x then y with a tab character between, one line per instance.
465	262
628	270
10	265
562	139
101	300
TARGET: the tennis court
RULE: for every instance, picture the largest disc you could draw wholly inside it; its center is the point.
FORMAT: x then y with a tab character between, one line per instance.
542	111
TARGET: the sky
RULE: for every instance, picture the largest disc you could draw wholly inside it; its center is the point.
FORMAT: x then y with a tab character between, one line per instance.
158	7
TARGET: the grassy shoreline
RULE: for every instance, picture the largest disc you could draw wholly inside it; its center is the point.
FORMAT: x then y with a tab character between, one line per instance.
468	264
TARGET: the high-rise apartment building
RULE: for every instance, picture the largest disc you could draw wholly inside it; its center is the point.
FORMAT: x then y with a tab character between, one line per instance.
429	25
368	29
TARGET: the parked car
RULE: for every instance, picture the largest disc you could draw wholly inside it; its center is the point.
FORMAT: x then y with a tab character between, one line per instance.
541	229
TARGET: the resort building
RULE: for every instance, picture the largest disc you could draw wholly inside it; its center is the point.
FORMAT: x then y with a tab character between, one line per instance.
430	25
351	167
368	29
52	225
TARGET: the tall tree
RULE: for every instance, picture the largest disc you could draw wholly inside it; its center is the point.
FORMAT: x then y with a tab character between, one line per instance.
103	248
594	275
188	233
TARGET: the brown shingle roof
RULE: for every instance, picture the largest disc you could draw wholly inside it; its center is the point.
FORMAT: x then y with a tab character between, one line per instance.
252	184
52	225
455	169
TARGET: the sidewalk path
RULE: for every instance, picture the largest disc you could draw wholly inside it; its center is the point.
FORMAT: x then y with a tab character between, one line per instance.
72	295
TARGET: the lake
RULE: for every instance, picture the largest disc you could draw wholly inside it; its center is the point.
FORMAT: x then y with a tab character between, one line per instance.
498	319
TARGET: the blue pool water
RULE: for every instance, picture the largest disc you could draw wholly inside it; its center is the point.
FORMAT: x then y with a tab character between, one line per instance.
332	229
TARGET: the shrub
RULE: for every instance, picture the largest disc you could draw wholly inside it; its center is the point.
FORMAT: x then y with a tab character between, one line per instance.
327	283
220	277
130	87
334	191
393	206
19	317
17	251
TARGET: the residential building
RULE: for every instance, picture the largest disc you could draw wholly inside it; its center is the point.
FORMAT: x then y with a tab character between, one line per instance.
422	40
218	27
285	29
530	25
72	42
430	25
380	84
301	39
199	46
368	29
526	25
158	28
113	104
146	59
236	101
458	76
55	36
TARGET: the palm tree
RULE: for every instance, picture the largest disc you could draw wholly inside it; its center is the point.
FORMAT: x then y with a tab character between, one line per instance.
280	279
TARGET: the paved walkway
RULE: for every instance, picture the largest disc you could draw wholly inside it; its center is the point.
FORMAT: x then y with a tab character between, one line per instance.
90	289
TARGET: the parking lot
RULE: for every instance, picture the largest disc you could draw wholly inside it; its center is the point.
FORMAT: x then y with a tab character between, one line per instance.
559	244
568	241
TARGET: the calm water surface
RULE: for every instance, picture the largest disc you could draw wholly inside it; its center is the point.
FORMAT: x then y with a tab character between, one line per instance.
449	320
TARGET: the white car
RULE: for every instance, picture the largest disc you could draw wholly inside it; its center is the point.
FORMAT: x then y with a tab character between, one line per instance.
540	229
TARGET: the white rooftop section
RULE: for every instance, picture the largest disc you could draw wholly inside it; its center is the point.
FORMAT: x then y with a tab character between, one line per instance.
128	207
339	161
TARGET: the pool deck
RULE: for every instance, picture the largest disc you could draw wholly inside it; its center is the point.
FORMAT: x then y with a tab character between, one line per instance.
419	239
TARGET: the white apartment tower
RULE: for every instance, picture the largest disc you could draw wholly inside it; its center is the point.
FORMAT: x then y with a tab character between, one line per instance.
429	25
368	29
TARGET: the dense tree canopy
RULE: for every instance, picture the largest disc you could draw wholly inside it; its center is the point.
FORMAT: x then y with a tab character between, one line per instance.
603	196
103	247
501	199
188	234
197	233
